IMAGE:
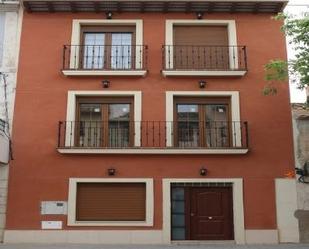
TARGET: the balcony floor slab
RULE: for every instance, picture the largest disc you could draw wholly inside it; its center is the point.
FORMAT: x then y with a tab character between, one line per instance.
104	73
152	151
203	73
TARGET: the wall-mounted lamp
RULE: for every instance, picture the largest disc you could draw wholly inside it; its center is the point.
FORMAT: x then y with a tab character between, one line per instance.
203	171
111	171
109	15
105	83
202	83
199	15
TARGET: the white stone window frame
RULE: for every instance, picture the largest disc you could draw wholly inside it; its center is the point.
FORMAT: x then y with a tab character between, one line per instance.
238	204
72	202
75	41
235	111
71	111
232	37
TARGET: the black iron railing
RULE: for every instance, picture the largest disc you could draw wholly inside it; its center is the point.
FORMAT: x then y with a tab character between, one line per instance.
107	57
153	134
210	58
3	125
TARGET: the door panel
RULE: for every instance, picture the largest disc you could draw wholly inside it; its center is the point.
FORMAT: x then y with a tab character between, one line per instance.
90	125
94	51
211	213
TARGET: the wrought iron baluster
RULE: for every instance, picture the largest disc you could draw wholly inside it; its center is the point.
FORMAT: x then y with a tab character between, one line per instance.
169	57
234	58
153	134
159	123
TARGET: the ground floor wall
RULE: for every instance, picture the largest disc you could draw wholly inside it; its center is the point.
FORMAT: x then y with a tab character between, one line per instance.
3	197
283	226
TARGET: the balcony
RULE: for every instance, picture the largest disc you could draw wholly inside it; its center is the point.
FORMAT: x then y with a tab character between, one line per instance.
152	137
185	60
109	60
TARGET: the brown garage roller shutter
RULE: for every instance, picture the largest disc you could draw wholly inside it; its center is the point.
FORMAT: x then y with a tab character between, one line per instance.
111	202
201	35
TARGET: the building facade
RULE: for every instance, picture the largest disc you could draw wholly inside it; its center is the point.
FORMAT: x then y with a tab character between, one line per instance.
10	21
146	124
300	114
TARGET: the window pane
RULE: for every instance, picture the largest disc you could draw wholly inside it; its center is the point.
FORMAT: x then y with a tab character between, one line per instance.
188	134
187	112
217	125
94	50
178	207
178	233
187	125
119	112
121	54
178	220
178	194
90	125
119	125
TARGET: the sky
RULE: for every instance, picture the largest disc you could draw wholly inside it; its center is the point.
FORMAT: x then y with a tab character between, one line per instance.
297	96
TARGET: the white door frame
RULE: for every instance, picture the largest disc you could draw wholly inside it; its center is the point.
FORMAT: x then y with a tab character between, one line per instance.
238	206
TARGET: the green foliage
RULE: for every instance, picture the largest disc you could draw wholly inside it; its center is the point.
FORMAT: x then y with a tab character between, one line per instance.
276	70
297	29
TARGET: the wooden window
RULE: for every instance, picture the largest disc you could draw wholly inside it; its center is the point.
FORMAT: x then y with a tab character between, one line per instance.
201	47
111	202
107	47
104	122
202	122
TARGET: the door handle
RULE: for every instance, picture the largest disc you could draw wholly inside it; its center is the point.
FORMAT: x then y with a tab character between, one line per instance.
210	217
192	214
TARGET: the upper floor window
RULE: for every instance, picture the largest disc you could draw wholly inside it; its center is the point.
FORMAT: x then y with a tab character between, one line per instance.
104	122
201	47
108	47
202	122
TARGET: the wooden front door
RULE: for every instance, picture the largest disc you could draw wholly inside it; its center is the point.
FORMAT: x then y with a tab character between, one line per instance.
211	216
202	213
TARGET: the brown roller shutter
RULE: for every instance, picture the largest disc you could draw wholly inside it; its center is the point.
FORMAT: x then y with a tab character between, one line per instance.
201	47
201	35
111	202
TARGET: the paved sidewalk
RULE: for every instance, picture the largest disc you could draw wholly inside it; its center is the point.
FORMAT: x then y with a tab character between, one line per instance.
205	246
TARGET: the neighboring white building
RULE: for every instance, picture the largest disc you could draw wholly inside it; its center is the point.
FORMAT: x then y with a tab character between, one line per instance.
301	146
10	26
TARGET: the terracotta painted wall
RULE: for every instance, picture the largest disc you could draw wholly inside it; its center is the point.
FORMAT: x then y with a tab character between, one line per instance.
40	173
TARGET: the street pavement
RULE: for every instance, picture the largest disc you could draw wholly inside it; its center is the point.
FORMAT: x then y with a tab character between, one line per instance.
173	246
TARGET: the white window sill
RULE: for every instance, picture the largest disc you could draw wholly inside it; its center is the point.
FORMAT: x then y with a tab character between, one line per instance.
202	73
151	151
104	72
